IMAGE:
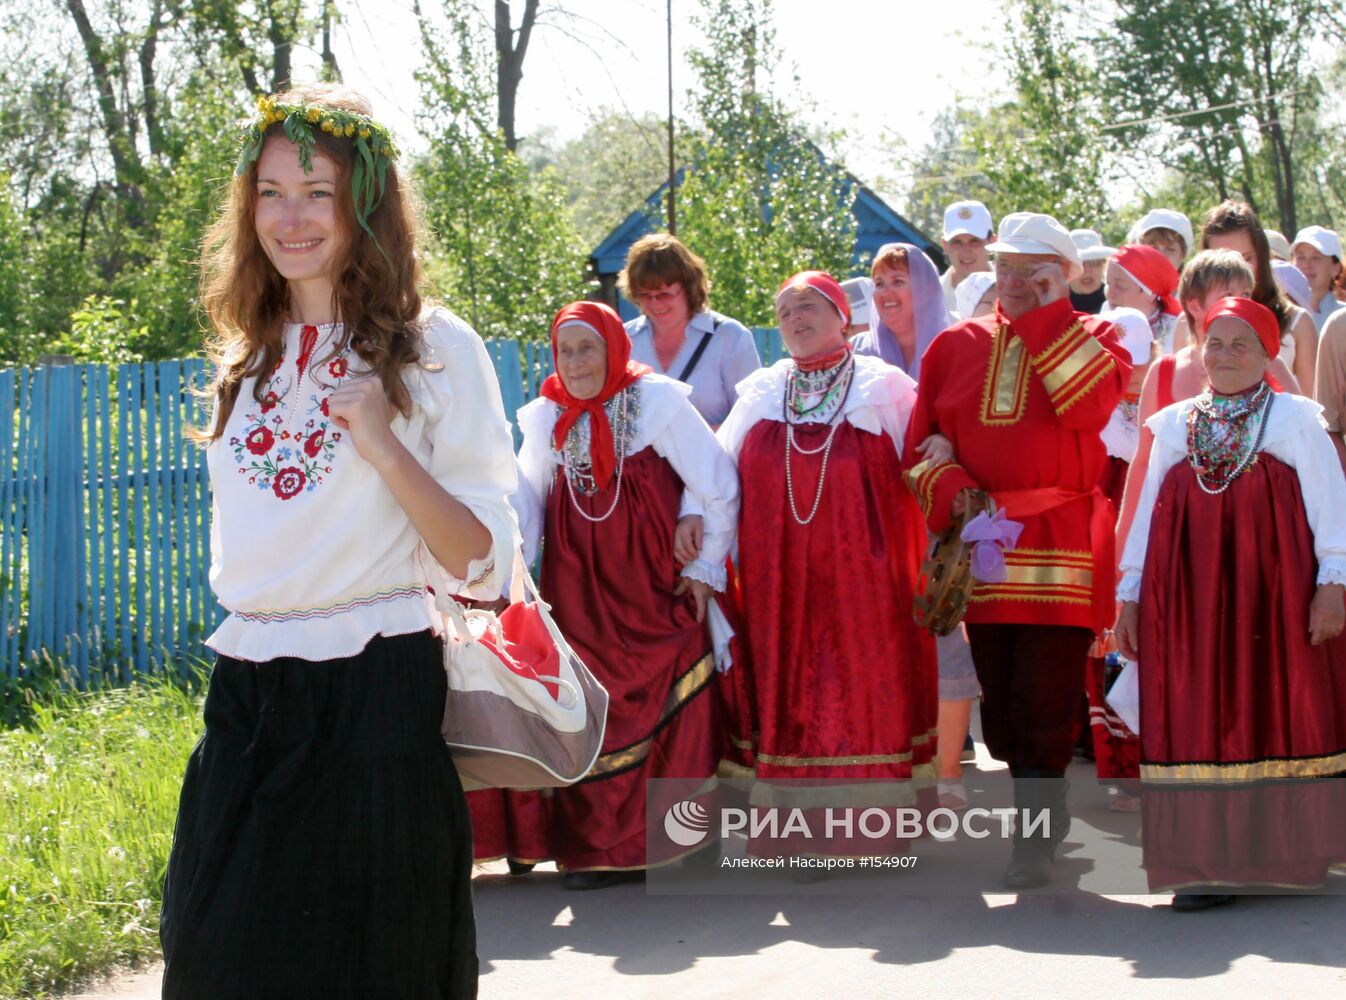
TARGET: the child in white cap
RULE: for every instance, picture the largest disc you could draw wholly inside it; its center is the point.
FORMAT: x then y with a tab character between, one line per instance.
1168	231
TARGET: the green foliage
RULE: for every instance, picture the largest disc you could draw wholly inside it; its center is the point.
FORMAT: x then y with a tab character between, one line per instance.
1226	94
88	795
505	254
759	201
610	169
1041	151
948	169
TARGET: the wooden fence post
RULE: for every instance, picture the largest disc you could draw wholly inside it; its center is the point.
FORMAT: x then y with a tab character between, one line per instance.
56	533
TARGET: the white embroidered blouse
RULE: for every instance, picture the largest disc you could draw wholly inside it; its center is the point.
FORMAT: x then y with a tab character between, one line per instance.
667	422
310	552
1296	435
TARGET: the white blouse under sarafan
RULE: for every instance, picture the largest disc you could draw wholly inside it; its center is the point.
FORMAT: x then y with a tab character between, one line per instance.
310	552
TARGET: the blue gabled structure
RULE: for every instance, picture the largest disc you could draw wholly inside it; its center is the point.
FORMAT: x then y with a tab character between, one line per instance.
877	223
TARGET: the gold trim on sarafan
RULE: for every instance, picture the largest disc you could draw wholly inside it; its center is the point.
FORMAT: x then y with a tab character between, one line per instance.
1072	365
924	477
1063	576
1005	395
1254	770
684	689
852	760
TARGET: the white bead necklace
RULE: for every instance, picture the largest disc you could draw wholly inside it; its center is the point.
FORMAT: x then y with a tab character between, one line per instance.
620	443
825	448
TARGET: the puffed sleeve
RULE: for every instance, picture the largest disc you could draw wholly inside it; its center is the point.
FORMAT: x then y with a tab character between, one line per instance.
471	449
537	469
709	478
1323	486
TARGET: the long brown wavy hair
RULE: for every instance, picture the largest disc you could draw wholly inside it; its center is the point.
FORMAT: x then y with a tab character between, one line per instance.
1238	216
376	293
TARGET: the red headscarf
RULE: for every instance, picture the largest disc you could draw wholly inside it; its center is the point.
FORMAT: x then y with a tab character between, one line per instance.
622	371
1153	271
1259	317
824	284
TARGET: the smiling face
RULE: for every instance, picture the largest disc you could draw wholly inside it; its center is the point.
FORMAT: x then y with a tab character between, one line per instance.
966	254
809	324
1125	292
892	298
296	215
666	307
1320	269
581	361
1233	356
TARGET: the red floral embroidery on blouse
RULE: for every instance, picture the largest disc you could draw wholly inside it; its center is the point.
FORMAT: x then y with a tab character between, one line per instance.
288	482
314	443
269	402
338	368
260	440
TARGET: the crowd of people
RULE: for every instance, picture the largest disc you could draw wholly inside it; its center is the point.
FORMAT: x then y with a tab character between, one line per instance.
734	551
1043	369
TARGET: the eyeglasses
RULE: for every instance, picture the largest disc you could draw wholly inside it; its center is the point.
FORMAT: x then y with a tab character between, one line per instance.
654	298
1004	269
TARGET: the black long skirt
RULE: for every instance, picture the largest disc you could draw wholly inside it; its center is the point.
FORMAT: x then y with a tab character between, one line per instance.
323	848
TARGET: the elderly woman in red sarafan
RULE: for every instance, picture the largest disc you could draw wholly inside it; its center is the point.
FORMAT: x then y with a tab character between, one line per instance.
842	684
1233	590
612	455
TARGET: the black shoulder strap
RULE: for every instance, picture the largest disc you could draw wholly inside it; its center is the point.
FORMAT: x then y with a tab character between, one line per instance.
700	350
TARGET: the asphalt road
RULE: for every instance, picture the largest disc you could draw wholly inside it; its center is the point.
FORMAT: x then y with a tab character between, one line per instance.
538	940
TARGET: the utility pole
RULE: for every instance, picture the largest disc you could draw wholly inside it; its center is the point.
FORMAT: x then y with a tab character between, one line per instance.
672	167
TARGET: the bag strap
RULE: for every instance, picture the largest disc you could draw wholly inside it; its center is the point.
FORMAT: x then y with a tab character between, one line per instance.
700	350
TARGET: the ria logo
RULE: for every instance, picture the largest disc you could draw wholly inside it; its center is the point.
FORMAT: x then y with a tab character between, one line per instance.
687	823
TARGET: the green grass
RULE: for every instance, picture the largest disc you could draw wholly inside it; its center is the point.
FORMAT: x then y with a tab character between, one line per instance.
88	795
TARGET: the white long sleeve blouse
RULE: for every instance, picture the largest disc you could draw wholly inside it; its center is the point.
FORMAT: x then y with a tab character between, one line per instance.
880	401
1296	435
666	422
310	552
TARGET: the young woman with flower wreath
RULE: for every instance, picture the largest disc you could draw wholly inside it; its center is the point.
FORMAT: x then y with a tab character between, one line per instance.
323	848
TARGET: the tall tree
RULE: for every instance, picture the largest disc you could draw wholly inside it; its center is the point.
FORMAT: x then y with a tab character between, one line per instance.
1041	151
505	253
1219	91
511	45
760	200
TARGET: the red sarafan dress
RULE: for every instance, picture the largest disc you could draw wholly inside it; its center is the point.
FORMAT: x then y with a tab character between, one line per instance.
1243	720
842	685
609	574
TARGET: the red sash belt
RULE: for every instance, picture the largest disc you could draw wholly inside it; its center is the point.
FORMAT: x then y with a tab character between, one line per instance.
1021	504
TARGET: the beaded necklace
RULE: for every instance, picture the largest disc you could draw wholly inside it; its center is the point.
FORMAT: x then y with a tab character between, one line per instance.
623	411
829	389
1224	434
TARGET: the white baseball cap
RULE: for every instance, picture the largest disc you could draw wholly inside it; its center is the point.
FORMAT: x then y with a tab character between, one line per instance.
1293	283
972	290
1031	232
1090	242
1133	330
1323	240
1162	218
1280	246
858	292
970	217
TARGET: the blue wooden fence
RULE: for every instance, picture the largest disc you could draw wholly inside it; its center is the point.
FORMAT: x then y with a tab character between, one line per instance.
105	509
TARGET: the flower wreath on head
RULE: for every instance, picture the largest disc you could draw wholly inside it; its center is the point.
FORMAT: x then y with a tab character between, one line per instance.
374	147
